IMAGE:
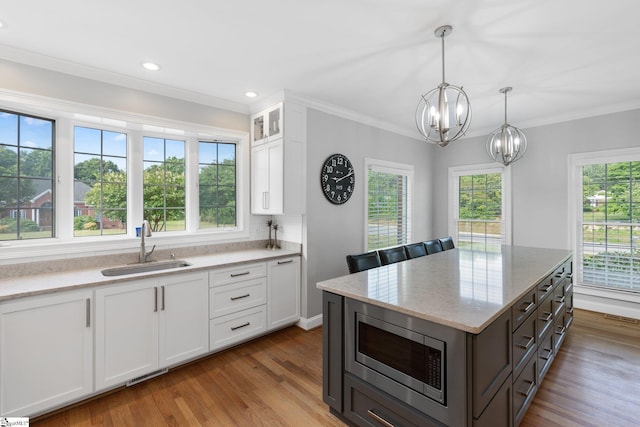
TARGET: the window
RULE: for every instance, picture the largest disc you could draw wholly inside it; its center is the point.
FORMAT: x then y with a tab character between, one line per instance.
608	220
164	184
217	184
479	195
100	182
389	193
26	177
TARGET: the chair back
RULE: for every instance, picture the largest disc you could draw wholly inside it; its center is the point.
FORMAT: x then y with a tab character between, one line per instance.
433	246
363	262
447	243
415	250
392	255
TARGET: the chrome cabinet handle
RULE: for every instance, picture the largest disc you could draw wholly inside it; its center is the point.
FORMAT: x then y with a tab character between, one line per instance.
240	297
233	328
88	313
379	419
155	299
562	330
530	341
532	384
548	318
285	262
528	307
240	274
548	356
162	297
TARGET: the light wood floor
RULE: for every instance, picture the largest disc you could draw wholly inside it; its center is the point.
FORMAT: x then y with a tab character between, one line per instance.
276	381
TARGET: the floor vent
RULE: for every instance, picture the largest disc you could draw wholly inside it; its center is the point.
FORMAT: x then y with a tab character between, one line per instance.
146	377
621	319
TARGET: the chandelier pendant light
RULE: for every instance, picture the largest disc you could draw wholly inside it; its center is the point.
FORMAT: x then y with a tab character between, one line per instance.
507	143
439	120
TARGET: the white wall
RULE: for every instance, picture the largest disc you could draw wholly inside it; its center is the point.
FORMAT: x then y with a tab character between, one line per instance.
334	231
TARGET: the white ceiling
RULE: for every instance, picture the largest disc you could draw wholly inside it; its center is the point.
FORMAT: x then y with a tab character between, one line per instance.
565	59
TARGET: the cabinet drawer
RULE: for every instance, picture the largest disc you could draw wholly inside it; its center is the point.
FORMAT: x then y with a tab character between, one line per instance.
559	332
523	344
237	327
368	406
237	274
227	299
544	319
523	389
545	354
545	289
523	308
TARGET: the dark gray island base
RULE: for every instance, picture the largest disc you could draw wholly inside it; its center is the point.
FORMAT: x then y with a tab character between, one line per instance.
385	363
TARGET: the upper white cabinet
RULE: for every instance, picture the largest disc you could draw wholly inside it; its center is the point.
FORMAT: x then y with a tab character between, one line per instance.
277	138
46	352
148	325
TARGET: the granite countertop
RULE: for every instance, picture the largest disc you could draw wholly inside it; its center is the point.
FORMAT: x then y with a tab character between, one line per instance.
461	288
36	284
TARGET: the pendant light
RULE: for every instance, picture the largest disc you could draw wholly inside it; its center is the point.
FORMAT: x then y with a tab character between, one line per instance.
507	143
439	120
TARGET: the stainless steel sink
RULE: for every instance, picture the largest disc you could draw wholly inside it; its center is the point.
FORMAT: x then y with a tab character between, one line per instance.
144	268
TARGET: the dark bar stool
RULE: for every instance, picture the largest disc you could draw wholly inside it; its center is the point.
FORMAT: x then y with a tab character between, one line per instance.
392	255
447	243
363	262
433	246
415	250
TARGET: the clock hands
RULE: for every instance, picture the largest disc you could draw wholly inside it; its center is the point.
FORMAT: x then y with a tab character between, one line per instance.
341	178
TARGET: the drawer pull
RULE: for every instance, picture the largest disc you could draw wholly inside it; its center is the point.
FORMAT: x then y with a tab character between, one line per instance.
155	299
240	274
548	318
233	328
532	384
548	356
562	330
88	313
548	288
528	344
285	262
570	311
379	419
561	300
240	297
528	307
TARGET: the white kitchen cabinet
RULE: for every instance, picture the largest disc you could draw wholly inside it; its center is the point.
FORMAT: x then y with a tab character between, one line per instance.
277	160
283	297
149	324
46	352
267	178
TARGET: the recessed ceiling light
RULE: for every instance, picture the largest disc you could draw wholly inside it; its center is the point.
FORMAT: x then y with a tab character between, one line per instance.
250	94
151	66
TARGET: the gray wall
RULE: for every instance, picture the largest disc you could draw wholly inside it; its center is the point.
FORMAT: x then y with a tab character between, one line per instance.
540	178
334	231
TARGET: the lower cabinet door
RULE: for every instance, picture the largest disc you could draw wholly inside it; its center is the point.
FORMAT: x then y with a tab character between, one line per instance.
237	327
126	332
46	352
524	388
283	299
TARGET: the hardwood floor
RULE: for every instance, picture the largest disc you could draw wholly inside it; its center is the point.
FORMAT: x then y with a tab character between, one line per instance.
277	381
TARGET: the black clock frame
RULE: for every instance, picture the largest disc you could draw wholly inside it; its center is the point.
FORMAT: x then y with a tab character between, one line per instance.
335	170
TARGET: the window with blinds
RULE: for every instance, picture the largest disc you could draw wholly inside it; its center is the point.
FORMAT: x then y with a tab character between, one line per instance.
609	242
388	204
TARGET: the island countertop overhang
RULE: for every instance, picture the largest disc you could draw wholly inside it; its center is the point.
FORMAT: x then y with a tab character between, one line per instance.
460	288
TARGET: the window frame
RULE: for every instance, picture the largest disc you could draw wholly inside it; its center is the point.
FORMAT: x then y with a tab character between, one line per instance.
391	168
575	209
67	115
455	172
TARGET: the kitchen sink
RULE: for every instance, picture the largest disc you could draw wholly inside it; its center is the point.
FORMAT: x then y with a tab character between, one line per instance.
144	268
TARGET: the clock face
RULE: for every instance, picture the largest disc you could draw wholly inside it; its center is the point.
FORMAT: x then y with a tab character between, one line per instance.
337	179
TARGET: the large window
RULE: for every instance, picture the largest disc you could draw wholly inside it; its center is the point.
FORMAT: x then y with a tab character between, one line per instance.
100	182
27	193
217	184
164	184
480	217
389	193
608	221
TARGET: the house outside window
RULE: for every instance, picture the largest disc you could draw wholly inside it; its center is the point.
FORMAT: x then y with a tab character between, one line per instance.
389	190
100	182
606	197
479	206
26	176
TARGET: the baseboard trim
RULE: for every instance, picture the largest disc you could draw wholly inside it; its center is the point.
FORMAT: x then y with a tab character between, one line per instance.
310	323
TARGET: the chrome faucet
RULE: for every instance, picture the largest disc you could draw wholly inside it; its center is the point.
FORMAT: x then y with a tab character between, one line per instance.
145	230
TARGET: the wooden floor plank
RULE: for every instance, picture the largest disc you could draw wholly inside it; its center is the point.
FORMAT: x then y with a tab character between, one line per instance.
276	380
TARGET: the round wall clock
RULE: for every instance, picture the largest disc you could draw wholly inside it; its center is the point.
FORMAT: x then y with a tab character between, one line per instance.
337	179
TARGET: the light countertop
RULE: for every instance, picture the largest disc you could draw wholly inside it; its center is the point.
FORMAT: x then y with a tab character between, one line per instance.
29	285
460	288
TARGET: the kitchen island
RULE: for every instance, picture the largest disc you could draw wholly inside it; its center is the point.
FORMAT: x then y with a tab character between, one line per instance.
459	338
